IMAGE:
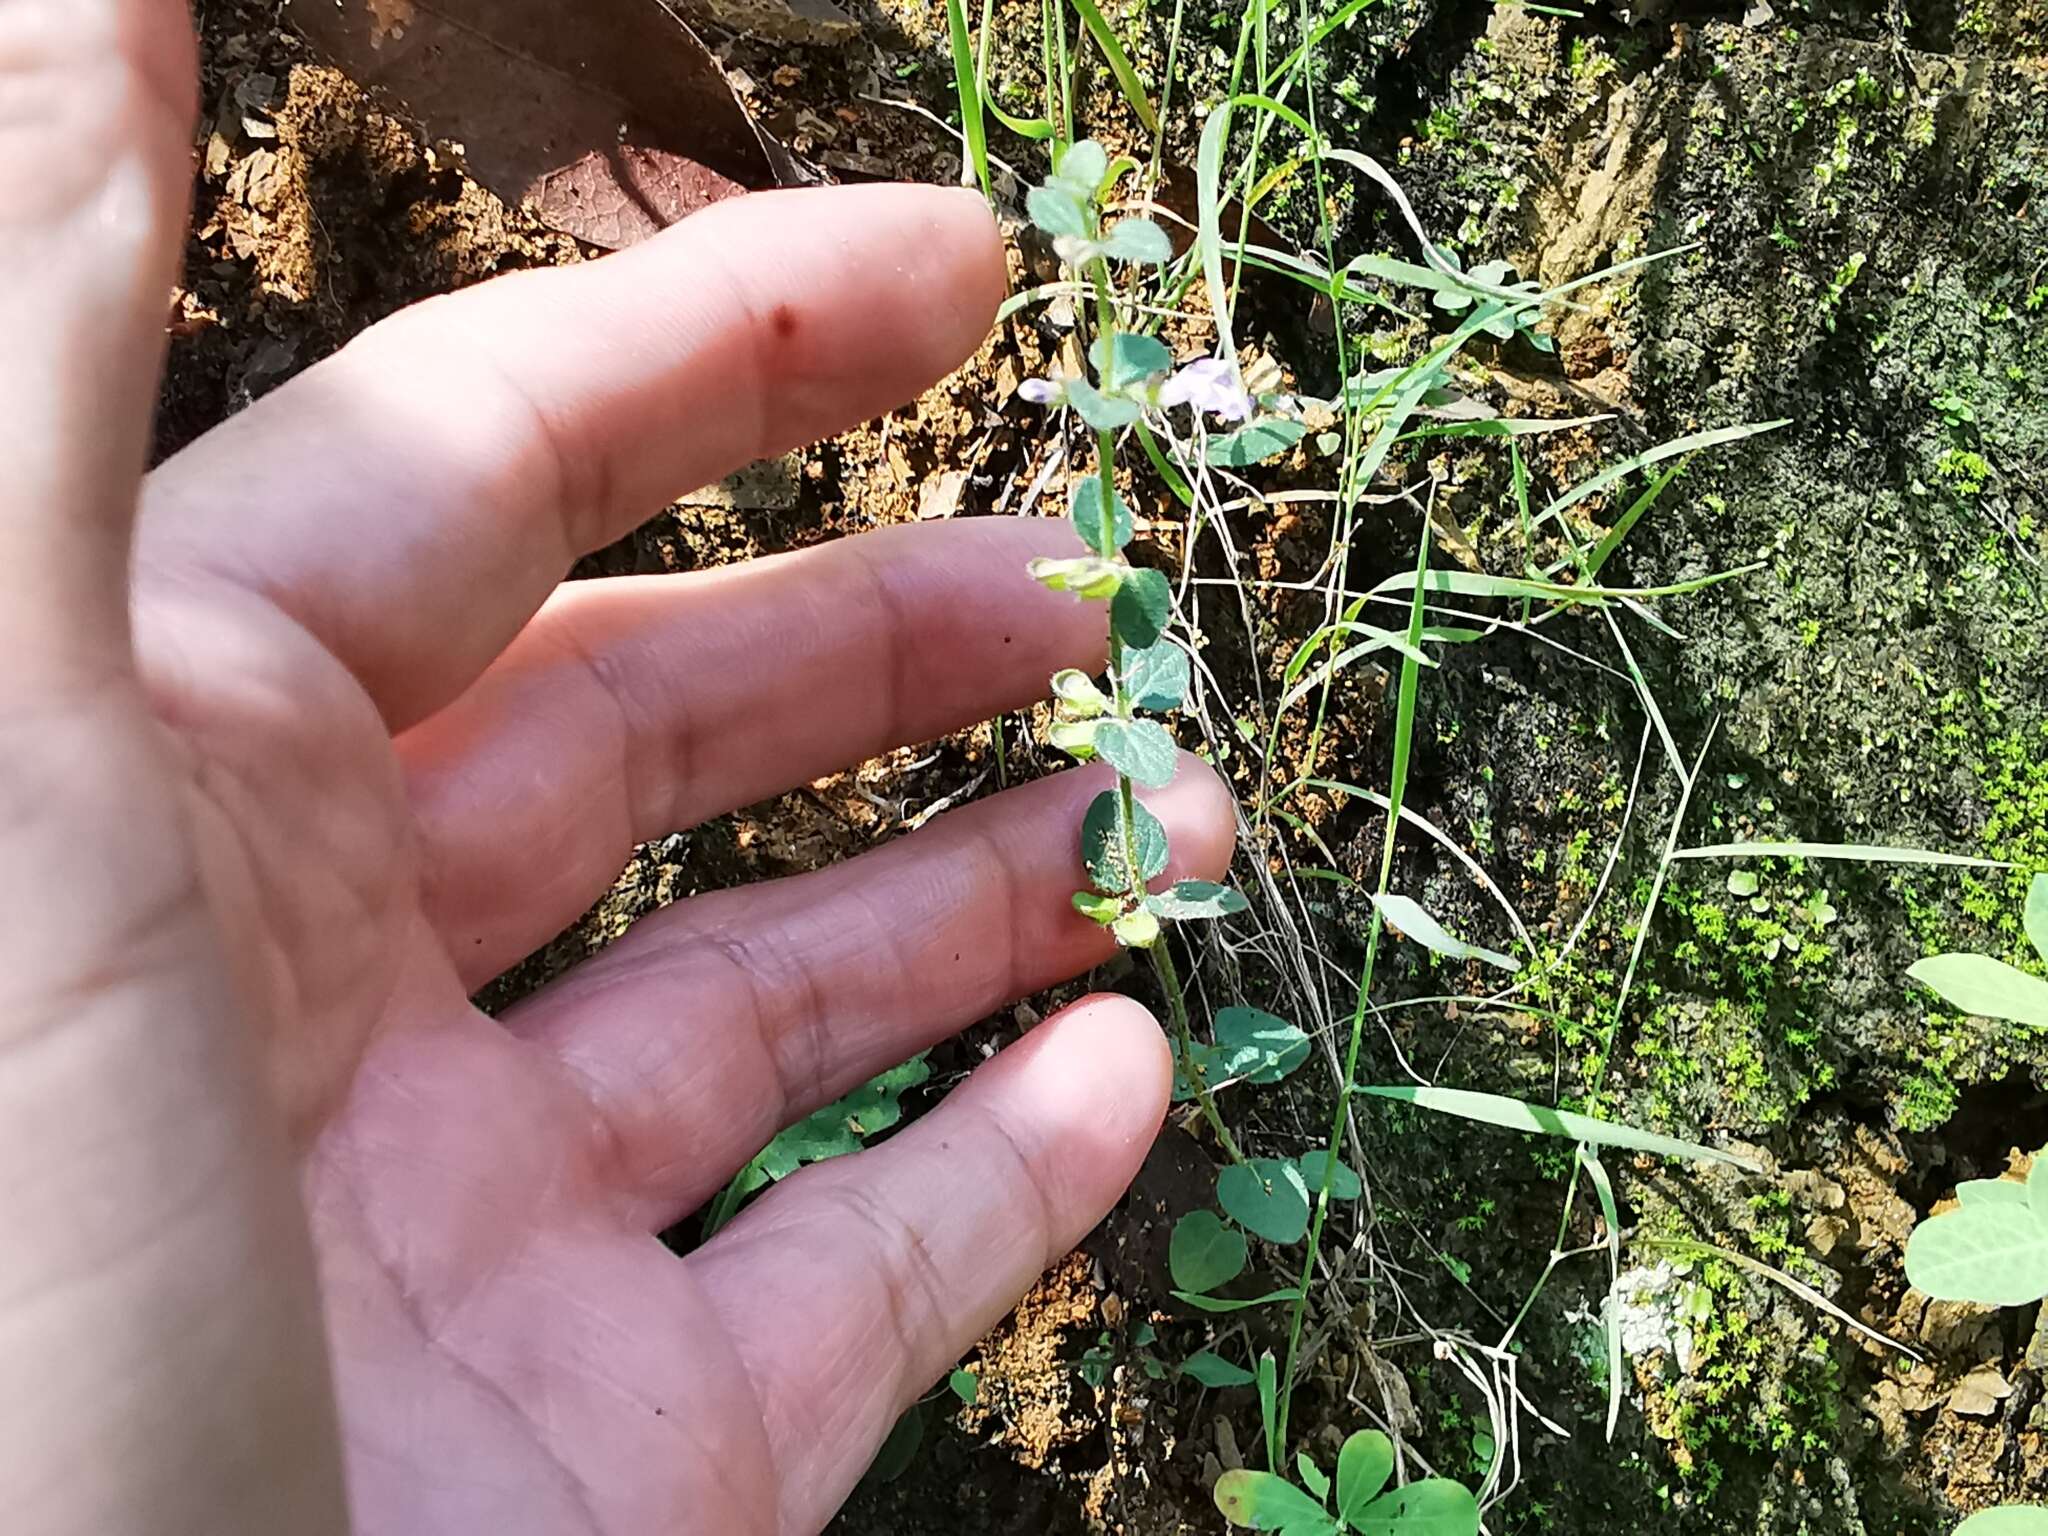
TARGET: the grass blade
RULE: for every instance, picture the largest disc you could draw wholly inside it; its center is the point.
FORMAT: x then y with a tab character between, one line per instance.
1432	831
1119	62
1657	455
1519	1115
1804	1292
1603	1188
1612	539
1209	227
967	83
1414	920
1867	853
1477	584
1315	39
1505	426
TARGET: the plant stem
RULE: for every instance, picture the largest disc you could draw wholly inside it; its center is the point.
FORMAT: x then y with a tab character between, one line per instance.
1184	1046
1397	789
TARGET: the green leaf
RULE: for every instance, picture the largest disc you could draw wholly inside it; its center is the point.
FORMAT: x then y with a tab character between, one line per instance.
1055	209
1105	413
1311	1476
1156	677
1137	930
1084	510
1138	240
1411	919
1212	1370
1075	689
1515	1115
1141	607
1996	1191
899	1450
1209	223
1136	359
1087	576
1101	909
2007	1520
1203	1253
1036	129
1992	1253
1344	1184
965	1385
1260	1501
1657	455
1191	900
839	1128
1082	169
1743	882
2036	917
1266	1196
1364	1467
1141	750
1255	444
1433	1507
1102	845
1256	1046
1076	738
1603	1188
1224	1304
1989	988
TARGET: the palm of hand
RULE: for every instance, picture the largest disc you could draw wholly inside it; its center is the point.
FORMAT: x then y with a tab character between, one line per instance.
374	761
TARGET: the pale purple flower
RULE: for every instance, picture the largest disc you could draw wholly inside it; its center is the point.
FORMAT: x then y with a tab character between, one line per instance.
1209	385
1043	391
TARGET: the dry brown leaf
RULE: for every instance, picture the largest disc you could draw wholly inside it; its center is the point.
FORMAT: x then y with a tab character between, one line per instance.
608	116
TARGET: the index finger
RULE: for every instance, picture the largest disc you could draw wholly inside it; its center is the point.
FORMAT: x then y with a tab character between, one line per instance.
414	499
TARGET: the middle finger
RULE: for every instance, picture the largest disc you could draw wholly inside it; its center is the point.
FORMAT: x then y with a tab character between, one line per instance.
634	708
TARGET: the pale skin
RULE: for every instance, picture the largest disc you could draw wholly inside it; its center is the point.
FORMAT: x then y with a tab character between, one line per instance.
302	740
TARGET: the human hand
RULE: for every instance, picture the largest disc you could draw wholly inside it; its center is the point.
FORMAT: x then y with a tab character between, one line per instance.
344	749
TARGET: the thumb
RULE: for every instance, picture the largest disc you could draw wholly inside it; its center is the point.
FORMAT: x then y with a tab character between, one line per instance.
96	103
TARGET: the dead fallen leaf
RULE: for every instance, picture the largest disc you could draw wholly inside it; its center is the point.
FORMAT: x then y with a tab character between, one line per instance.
940	495
1978	1394
608	116
789	21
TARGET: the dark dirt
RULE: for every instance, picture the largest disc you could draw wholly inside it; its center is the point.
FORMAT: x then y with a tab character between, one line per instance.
1862	187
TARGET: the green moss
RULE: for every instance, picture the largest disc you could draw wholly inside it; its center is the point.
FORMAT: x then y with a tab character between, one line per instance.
1734	1038
1749	1390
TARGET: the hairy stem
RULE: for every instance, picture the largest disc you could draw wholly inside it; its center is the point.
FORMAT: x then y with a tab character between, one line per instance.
1184	1047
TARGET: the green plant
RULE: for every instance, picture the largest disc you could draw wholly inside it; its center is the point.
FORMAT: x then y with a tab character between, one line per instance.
1372	429
1989	988
1123	845
2007	1520
1266	1501
834	1131
1992	1249
967	82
